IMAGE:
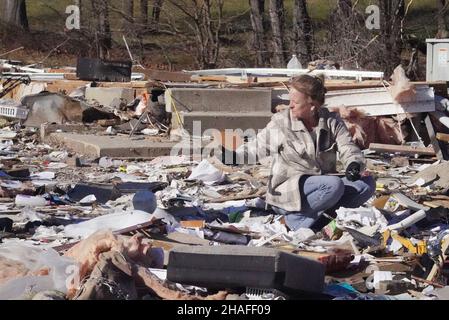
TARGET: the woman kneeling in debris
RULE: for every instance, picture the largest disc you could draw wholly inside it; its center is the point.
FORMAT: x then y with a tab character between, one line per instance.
304	140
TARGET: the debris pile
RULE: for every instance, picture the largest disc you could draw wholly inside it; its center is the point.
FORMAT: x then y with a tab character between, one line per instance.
94	205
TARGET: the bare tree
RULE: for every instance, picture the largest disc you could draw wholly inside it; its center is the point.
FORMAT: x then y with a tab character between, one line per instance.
277	17
303	33
157	8
442	7
349	43
103	35
392	19
14	13
128	13
257	10
204	19
144	12
79	4
345	7
412	70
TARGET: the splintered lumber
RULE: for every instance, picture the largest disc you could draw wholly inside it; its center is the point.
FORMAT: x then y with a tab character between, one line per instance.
161	75
391	148
442	137
68	86
441	154
379	102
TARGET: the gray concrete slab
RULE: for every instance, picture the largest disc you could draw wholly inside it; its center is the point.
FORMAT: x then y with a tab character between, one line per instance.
47	128
105	96
223	120
113	146
220	100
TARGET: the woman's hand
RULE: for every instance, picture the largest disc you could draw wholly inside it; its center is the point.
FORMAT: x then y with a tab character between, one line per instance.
366	173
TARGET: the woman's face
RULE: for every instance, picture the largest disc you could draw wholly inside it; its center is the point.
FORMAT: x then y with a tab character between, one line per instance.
301	105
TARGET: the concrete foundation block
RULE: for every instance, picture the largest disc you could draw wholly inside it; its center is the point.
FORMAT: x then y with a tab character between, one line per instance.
106	96
219	100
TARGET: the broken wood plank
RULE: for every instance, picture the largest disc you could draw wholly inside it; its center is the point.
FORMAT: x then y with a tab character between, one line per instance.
70	76
209	78
193	224
391	148
262	191
161	75
442	136
437	203
440	197
436	145
435	284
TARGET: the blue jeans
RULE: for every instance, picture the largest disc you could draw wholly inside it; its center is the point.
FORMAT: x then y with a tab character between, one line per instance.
321	193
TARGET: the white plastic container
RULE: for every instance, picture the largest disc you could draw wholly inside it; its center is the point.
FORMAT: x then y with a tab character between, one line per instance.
294	63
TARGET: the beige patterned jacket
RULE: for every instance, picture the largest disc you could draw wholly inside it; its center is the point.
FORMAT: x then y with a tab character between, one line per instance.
294	154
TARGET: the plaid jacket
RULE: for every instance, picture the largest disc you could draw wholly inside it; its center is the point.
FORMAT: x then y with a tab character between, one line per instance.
294	154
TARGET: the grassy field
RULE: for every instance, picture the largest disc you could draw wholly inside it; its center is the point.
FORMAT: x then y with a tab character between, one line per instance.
48	17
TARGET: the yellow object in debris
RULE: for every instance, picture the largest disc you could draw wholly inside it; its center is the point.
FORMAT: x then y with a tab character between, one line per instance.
380	187
122	169
380	202
419	248
181	123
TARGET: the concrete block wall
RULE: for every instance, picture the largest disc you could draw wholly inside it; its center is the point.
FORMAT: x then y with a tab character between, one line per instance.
220	109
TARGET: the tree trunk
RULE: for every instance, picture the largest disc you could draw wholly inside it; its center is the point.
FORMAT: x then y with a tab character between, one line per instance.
393	15
442	6
412	71
103	34
144	12
79	4
277	17
259	32
14	13
303	33
128	11
345	7
157	8
204	20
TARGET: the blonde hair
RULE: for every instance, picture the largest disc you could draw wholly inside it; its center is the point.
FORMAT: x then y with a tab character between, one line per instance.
313	86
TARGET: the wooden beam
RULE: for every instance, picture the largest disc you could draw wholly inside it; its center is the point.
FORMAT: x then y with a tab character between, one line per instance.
390	148
161	75
442	136
441	155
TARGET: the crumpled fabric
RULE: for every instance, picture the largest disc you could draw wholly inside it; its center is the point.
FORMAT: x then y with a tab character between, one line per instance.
87	253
